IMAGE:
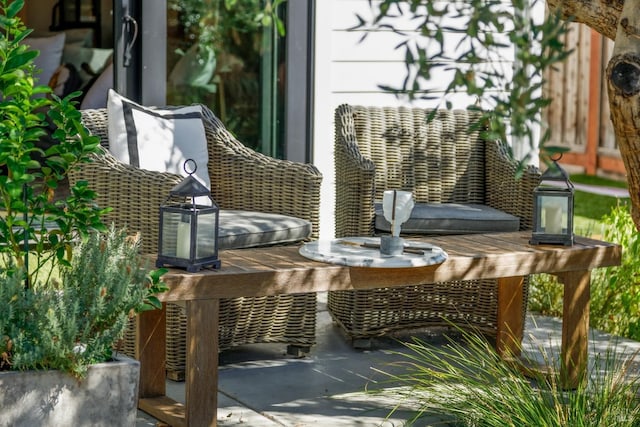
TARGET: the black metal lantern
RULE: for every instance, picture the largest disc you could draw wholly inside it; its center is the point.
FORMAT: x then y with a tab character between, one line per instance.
188	235
553	208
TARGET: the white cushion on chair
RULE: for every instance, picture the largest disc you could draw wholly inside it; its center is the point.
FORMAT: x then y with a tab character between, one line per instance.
50	56
96	96
157	139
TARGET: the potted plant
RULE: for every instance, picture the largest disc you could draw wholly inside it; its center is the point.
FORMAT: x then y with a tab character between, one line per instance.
68	283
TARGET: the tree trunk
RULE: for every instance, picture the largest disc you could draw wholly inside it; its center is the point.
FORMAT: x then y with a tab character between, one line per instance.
601	15
623	83
618	20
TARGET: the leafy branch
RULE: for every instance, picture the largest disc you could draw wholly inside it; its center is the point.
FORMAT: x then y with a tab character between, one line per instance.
30	114
494	51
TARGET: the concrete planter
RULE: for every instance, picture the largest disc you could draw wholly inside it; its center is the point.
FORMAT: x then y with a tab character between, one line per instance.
107	397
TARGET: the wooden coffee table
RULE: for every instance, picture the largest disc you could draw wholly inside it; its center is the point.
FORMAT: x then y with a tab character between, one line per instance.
507	257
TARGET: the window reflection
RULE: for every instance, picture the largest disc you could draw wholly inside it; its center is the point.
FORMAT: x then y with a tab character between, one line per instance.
225	59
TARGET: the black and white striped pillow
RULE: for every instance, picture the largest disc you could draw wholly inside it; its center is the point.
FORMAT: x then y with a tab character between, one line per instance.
157	139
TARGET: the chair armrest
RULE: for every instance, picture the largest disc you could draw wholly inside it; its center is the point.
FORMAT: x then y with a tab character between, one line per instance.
355	187
135	195
242	178
506	191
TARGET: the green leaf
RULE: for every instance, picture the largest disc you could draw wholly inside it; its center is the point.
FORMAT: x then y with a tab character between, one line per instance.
156	274
152	303
281	28
14	8
19	60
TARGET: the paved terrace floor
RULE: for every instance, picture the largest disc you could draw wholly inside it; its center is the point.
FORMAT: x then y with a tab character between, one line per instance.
260	386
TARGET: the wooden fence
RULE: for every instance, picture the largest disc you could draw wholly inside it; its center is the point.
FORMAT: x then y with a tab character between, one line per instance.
578	116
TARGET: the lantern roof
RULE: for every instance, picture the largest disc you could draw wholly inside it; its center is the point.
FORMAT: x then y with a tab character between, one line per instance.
189	187
556	173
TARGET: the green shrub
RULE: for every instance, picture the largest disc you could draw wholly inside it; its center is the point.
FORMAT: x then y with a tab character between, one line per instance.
615	291
68	284
72	323
32	117
545	295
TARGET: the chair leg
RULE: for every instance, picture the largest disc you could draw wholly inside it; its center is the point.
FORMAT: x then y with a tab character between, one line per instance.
362	343
298	350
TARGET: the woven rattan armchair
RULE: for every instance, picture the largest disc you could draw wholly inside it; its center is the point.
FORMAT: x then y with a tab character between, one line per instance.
241	179
440	161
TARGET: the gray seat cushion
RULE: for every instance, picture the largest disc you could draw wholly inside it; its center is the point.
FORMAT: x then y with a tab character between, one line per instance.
245	229
451	218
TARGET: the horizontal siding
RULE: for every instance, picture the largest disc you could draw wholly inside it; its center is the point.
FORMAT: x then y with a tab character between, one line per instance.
368	76
359	45
364	60
344	14
387	99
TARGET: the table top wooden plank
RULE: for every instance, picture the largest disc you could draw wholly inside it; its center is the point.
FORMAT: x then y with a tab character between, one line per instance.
454	245
482	243
270	271
499	244
278	257
264	258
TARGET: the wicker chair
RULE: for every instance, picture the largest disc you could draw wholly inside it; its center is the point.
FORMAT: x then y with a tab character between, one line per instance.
240	179
440	161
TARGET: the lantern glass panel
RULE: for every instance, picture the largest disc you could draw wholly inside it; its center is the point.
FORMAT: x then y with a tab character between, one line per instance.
206	234
175	234
554	213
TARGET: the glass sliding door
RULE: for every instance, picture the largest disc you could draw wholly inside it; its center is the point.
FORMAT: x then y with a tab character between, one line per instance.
224	58
220	53
272	93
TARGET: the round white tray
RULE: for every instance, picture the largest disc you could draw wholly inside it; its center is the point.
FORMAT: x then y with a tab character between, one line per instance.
349	251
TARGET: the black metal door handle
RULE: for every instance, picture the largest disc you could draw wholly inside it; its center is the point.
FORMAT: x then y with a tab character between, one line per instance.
130	29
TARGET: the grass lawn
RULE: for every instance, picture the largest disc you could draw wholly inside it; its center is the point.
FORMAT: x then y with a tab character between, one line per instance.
590	208
596	180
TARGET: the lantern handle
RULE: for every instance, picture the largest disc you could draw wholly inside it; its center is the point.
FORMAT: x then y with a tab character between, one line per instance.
186	164
553	157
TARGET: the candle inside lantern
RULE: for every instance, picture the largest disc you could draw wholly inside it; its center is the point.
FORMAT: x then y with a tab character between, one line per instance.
183	245
553	219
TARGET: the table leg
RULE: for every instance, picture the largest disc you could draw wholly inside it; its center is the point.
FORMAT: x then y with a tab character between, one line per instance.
201	380
150	351
510	316
575	327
